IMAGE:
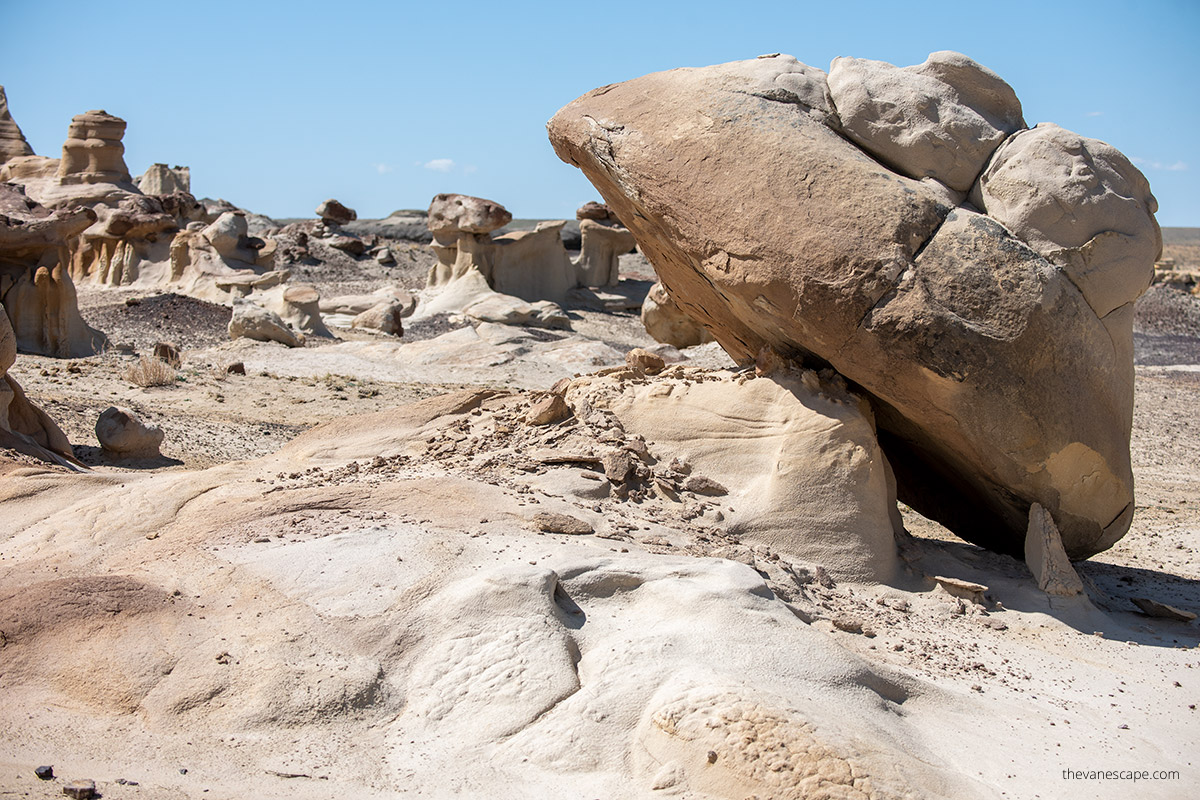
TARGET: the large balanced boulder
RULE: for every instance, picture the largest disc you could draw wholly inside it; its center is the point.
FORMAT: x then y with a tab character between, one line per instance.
995	383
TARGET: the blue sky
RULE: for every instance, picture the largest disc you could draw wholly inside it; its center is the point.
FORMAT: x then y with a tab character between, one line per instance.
276	106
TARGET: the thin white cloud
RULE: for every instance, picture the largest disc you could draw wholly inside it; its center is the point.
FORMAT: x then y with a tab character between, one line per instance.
1178	166
384	169
440	164
1095	113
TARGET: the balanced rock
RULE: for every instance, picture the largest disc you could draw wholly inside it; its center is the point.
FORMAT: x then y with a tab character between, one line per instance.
451	214
595	211
333	212
299	306
123	434
995	384
516	278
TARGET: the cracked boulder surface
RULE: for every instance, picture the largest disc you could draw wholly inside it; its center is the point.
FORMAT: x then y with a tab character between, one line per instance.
772	221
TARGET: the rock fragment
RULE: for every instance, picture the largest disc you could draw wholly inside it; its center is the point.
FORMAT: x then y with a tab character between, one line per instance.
966	590
80	790
123	434
255	322
554	522
1046	558
45	773
644	362
548	410
1153	608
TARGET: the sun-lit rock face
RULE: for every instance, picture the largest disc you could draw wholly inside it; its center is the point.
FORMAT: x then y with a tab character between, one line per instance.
826	218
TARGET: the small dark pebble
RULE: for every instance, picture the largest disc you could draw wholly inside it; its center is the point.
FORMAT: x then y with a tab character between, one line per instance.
183	770
236	368
45	773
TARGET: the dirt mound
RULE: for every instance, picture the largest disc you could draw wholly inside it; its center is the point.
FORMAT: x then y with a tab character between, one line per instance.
142	321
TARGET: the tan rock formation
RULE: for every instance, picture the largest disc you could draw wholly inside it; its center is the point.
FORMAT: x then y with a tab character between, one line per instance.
667	322
23	426
252	321
93	152
123	434
299	306
36	289
1046	558
161	179
386	316
795	454
513	270
1081	205
994	382
12	141
603	244
941	119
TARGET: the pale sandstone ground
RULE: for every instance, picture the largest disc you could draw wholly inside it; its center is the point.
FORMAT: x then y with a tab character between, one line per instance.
1007	693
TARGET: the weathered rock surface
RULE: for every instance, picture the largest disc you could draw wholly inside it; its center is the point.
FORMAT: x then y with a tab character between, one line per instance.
36	289
161	179
795	453
941	119
603	244
123	434
93	152
995	384
23	426
1080	204
255	322
12	141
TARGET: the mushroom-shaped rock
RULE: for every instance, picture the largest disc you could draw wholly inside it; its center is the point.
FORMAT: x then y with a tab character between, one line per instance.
122	433
255	322
1082	205
452	214
994	383
300	309
941	119
666	322
333	212
603	245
